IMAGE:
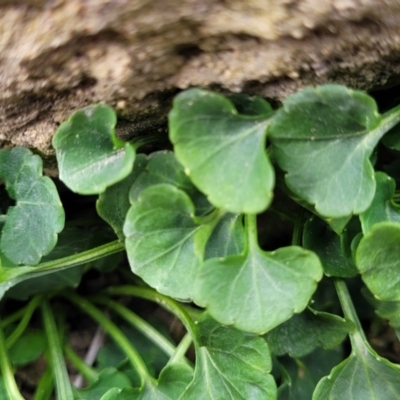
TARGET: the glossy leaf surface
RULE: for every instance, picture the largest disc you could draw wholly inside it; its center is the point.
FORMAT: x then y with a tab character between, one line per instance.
222	151
90	156
323	138
230	365
382	208
164	243
32	225
302	333
378	260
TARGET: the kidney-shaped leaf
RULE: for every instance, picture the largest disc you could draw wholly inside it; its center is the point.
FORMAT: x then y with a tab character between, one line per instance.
382	208
163	242
323	137
258	290
32	225
302	333
222	151
378	260
230	365
90	156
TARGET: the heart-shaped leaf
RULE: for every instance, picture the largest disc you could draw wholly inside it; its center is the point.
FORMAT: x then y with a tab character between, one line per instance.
377	259
256	291
90	156
230	365
222	151
32	225
302	333
382	208
113	204
323	138
165	245
333	250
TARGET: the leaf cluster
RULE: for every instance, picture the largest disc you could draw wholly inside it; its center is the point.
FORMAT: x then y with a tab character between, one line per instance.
260	321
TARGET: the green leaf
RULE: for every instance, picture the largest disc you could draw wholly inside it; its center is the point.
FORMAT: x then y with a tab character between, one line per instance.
163	167
90	156
305	372
256	291
230	365
227	238
28	347
332	249
113	204
71	240
382	208
164	243
222	151
377	259
323	138
392	138
363	375
302	333
172	381
389	310
108	378
32	225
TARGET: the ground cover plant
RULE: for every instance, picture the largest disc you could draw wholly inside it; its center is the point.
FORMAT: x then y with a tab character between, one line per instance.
192	229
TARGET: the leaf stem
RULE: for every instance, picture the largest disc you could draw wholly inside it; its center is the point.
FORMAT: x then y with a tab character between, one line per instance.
6	370
298	229
15	275
357	336
164	301
20	329
252	232
140	324
90	374
181	349
112	329
45	386
60	373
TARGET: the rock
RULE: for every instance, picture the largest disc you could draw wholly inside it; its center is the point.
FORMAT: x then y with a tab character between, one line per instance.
59	55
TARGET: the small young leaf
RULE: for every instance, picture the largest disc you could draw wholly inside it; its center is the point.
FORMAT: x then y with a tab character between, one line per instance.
331	248
90	156
32	225
302	333
227	237
323	138
382	208
230	365
258	290
377	259
222	151
113	204
164	244
163	167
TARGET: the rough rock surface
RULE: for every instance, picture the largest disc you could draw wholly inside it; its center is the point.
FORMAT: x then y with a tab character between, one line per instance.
60	55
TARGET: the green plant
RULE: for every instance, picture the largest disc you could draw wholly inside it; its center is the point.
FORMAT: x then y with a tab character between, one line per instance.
264	324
